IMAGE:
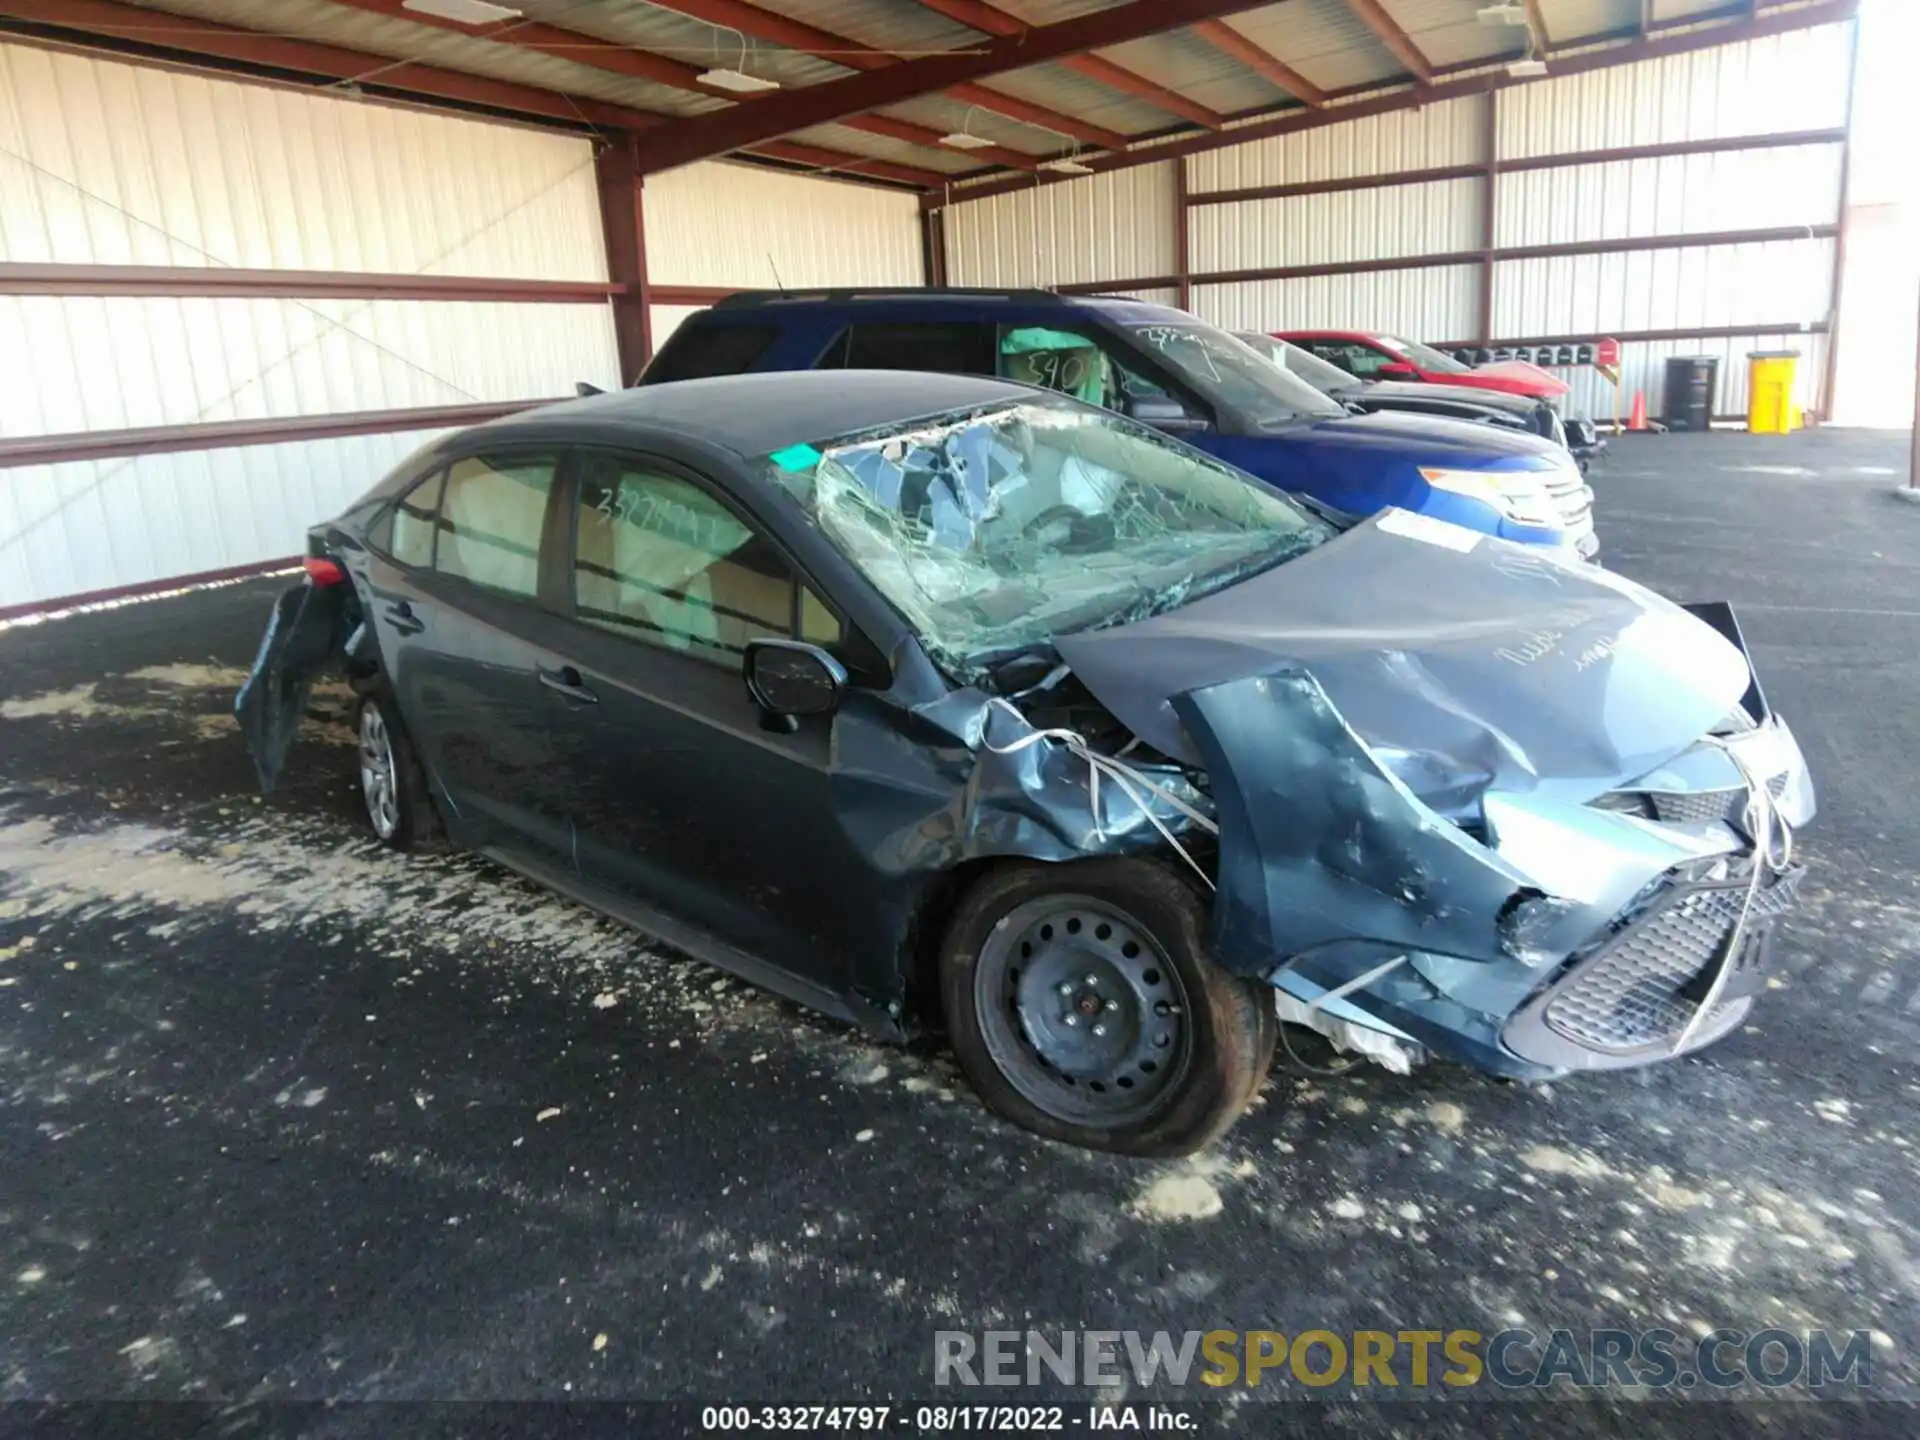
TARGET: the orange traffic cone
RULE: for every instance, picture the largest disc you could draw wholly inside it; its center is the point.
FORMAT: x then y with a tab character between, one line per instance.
1637	419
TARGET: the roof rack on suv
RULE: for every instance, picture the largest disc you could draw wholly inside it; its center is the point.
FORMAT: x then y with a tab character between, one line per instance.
746	299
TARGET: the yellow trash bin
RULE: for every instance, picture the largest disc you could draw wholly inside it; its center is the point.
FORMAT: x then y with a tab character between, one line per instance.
1770	376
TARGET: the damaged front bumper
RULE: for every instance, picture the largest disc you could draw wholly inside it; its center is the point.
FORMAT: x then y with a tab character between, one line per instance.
1677	896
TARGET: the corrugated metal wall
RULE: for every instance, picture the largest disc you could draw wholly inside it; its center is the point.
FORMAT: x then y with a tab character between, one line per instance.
743	227
1381	224
737	225
114	164
100	524
1116	226
1677	195
1423	139
1437	302
1758	87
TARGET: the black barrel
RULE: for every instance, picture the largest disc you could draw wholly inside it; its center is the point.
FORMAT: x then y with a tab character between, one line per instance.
1693	382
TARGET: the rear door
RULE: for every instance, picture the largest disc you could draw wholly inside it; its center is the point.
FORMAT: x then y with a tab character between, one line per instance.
458	607
682	800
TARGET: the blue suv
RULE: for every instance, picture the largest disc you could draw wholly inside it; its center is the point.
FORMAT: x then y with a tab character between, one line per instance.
1164	368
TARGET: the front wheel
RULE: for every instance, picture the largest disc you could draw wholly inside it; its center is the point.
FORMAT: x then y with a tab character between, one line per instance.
1082	1005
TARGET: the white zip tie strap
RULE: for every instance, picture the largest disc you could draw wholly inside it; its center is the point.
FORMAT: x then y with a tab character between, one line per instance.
1764	824
1132	783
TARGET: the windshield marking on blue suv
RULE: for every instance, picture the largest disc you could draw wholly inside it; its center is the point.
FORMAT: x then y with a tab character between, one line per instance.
1232	374
995	530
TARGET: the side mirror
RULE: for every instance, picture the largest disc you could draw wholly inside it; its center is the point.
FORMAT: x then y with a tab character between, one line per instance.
1397	370
790	678
1163	412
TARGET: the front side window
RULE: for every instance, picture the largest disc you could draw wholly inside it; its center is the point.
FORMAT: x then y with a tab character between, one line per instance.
993	530
1233	377
491	519
659	559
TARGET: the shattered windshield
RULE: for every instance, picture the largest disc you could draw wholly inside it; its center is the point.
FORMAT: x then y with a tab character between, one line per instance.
992	531
1229	373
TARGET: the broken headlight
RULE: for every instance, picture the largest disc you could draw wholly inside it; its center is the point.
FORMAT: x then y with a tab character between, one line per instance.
1519	495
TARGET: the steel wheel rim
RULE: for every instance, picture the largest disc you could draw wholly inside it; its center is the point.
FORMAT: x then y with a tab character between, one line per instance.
376	773
1082	1011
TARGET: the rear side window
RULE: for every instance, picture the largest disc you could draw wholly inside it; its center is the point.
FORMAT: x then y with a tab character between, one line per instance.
952	349
697	351
491	519
1351	356
411	539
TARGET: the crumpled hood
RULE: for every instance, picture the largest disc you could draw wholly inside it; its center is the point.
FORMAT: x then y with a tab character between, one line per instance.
1464	663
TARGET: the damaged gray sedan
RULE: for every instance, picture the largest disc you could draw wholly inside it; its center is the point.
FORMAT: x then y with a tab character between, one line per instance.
940	702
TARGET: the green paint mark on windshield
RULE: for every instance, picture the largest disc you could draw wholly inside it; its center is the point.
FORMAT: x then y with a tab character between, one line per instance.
796	457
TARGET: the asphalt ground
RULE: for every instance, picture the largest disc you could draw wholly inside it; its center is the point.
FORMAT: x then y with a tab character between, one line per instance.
285	1118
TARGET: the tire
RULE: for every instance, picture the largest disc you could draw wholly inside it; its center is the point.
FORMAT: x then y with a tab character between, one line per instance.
1163	1049
393	785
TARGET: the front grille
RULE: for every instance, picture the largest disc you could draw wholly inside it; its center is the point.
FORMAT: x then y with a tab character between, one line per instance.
1698	806
1632	993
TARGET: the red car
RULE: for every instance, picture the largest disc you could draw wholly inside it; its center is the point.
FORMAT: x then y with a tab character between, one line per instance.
1373	356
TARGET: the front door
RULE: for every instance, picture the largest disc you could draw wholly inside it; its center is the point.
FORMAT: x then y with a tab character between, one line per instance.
682	800
460	622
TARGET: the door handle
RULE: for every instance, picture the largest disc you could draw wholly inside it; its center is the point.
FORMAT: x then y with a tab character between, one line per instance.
400	613
568	682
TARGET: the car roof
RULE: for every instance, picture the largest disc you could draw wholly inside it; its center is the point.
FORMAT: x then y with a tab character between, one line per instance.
1329	334
745	304
756	414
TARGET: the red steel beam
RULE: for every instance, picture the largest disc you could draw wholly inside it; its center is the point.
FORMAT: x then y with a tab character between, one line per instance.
1130	82
921	135
1642	337
598	54
1489	206
229	434
1387	179
1383	181
991	20
775	29
819	158
109	19
174	281
1229	41
1440	259
563	44
57	604
623	222
1386	29
1296	118
1537	23
998	102
703	136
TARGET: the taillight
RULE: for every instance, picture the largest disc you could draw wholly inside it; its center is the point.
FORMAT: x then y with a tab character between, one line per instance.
323	572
